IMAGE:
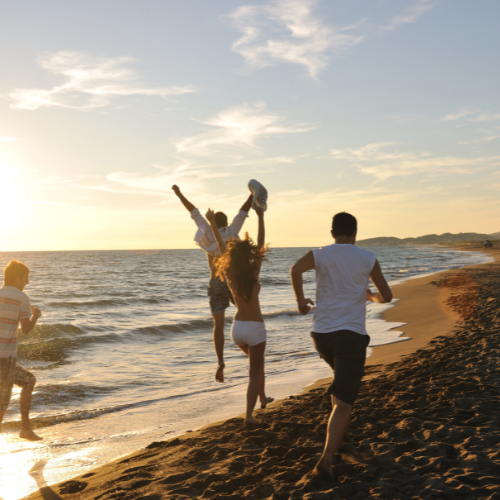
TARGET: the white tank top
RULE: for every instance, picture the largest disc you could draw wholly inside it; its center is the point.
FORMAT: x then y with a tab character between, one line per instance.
342	274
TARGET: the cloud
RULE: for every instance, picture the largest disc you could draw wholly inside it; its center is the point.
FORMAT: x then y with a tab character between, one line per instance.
90	82
161	182
410	15
238	126
480	116
9	139
478	141
287	31
460	114
374	160
485	116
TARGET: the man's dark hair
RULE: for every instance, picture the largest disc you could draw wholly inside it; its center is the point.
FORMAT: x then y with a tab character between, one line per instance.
221	219
344	224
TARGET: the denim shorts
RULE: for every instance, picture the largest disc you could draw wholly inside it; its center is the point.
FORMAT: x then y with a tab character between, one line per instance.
345	352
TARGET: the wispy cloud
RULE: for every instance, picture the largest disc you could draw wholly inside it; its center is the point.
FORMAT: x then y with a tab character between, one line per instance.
479	141
287	31
238	126
460	114
9	139
486	116
411	15
290	31
90	82
374	160
474	115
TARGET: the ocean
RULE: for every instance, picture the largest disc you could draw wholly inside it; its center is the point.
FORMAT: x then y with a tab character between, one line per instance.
123	353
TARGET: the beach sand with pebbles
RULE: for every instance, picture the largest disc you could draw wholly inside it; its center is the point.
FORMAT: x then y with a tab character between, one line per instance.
426	424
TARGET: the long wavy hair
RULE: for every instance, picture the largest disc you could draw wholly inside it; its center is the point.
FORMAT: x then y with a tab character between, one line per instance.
239	262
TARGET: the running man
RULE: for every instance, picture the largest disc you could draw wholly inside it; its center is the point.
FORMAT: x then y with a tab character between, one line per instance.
14	309
339	324
218	291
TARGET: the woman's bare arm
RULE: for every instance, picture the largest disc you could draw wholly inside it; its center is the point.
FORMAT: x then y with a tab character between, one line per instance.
210	215
261	236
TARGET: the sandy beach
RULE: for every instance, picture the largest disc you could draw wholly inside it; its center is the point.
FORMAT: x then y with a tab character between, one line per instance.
425	425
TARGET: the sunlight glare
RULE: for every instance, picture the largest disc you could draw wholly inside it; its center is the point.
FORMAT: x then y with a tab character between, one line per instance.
10	206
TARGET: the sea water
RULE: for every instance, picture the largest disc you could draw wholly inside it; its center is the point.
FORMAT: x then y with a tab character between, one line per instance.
123	353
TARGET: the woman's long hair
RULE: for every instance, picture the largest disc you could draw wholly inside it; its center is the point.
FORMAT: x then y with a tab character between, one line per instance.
239	262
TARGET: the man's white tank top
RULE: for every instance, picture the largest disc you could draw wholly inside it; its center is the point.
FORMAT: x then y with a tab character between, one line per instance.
342	274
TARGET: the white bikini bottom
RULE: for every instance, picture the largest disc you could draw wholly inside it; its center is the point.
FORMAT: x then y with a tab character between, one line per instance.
248	332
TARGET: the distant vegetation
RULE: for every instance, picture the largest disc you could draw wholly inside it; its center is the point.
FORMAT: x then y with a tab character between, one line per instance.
430	238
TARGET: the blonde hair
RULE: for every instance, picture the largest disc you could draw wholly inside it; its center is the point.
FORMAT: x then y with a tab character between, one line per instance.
13	270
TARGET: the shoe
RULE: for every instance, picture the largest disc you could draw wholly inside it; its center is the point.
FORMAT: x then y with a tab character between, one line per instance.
259	195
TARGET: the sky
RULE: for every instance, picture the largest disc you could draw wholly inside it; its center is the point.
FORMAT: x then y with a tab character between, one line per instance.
387	109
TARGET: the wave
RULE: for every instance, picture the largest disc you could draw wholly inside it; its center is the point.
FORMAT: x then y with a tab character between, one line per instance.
133	301
55	349
39	421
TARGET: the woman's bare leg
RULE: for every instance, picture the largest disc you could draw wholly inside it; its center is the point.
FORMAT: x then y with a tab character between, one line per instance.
264	400
256	358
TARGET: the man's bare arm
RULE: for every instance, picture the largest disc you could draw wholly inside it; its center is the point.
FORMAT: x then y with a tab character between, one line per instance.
27	324
384	294
247	205
220	242
189	206
303	265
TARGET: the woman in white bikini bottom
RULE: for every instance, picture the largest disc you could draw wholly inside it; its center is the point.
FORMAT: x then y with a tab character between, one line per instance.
248	332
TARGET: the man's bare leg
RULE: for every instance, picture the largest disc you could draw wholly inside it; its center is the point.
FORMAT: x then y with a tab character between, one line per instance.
2	413
337	427
219	344
26	430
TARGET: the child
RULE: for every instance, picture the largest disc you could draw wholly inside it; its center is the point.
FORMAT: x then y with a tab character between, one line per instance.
14	309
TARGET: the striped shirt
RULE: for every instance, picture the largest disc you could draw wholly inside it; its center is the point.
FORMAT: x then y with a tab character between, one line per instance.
14	306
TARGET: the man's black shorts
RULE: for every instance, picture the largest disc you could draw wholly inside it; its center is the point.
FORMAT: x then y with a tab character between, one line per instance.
345	352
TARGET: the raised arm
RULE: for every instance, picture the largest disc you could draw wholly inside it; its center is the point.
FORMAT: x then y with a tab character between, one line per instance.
261	236
303	265
210	215
189	206
384	292
248	204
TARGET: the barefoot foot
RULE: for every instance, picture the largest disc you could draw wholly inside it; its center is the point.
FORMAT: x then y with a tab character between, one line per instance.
324	471
29	435
219	374
266	401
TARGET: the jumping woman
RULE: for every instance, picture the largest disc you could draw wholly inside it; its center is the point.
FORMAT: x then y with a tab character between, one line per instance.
240	264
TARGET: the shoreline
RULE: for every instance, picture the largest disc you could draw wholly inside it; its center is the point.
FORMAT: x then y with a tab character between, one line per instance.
383	358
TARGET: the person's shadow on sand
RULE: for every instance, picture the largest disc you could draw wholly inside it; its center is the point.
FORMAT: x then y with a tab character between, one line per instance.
36	472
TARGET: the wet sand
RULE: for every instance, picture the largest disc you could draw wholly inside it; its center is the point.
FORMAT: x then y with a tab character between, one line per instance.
426	424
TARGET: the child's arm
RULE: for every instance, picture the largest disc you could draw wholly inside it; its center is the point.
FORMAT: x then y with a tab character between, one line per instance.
220	242
27	324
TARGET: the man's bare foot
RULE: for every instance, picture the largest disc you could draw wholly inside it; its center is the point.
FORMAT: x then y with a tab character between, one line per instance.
29	435
266	401
324	471
219	374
